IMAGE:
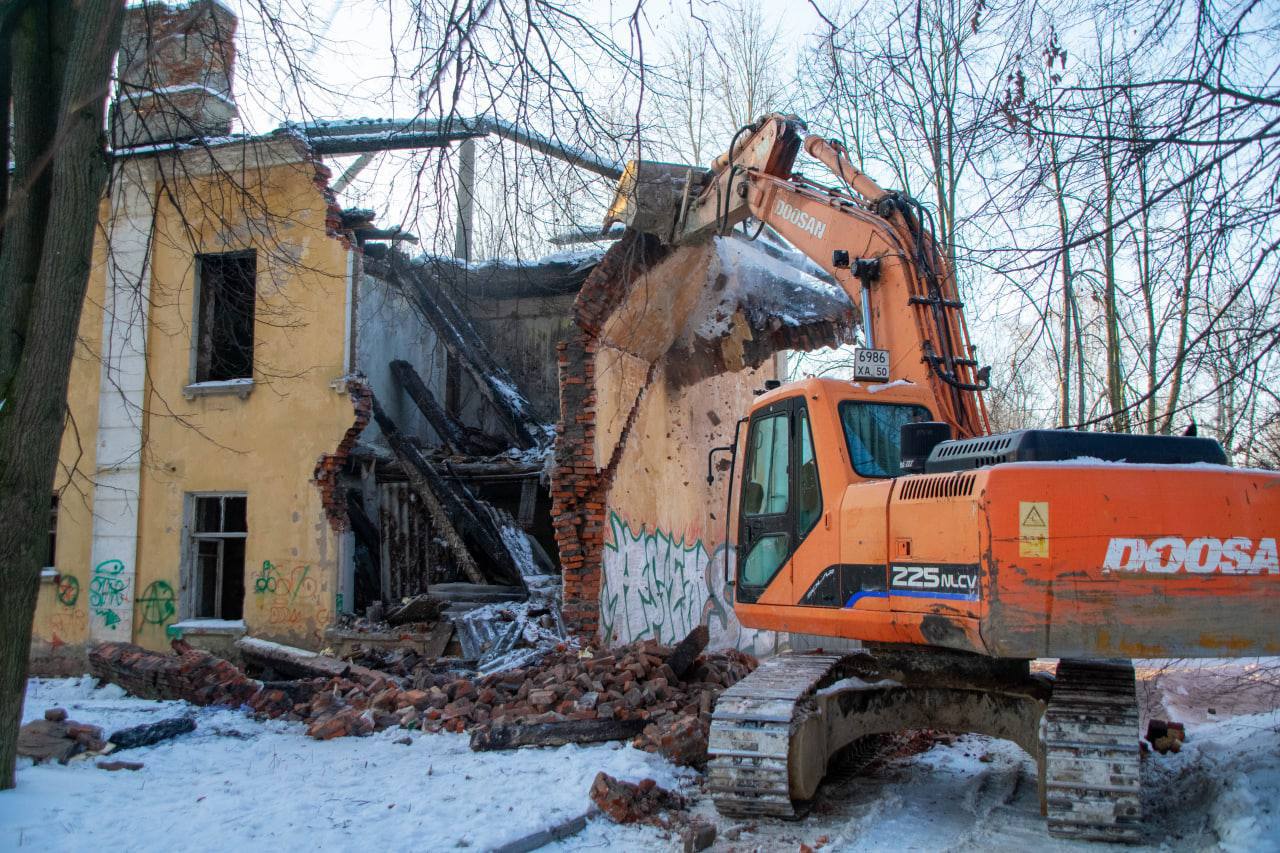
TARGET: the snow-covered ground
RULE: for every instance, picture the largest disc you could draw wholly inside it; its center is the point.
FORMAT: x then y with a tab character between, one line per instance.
238	784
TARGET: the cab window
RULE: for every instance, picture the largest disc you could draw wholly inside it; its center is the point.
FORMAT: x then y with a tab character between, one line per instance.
808	492
767	491
872	432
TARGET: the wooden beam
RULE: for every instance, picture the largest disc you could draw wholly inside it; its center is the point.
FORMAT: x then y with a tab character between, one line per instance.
455	331
514	735
455	513
457	437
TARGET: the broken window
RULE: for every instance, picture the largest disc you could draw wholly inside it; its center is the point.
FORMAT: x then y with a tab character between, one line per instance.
224	317
52	555
218	530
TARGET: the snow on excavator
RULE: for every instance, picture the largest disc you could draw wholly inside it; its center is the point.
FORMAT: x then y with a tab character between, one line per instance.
884	510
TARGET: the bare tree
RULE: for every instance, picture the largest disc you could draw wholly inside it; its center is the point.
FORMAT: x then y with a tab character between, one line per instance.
55	60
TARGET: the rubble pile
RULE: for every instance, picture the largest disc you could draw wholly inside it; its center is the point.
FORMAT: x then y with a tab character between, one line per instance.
660	695
669	706
626	802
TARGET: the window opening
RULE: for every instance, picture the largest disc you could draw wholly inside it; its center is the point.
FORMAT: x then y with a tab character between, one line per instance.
873	433
218	531
224	317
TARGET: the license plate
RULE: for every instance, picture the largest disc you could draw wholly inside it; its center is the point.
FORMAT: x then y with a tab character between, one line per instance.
871	364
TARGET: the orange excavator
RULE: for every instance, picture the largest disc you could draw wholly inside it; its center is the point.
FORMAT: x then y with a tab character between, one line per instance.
883	510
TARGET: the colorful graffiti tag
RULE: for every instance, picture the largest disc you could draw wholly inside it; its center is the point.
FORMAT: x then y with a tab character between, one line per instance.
656	586
68	590
292	599
109	593
158	604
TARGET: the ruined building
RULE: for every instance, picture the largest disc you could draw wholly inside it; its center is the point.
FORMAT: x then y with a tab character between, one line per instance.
223	472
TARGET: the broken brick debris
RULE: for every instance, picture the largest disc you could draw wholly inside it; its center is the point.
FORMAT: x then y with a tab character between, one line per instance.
151	733
120	765
59	739
632	684
1166	737
634	802
196	676
648	803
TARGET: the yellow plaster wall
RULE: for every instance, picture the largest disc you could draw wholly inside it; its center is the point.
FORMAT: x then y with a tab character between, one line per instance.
61	621
265	445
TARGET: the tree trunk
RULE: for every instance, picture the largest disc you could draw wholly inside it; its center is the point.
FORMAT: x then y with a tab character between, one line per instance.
1190	262
1110	306
60	169
1068	285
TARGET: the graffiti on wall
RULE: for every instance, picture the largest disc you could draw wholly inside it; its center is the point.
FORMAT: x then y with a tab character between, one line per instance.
291	598
656	586
109	593
157	604
68	590
68	618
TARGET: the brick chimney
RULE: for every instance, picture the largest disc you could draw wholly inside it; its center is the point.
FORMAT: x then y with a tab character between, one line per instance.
174	68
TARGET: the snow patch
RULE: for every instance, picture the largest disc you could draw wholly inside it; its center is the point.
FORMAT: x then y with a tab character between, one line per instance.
855	683
897	383
237	783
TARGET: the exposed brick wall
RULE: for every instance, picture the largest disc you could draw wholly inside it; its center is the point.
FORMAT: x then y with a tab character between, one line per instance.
332	210
192	674
163	46
329	466
580	482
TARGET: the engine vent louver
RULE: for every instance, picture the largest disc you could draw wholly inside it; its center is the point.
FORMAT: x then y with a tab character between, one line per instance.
990	446
927	487
1057	445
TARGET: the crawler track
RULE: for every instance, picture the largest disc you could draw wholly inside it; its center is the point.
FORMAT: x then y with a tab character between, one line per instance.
1092	782
751	735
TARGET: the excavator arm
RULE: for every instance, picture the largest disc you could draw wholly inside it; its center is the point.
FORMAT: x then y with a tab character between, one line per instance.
873	242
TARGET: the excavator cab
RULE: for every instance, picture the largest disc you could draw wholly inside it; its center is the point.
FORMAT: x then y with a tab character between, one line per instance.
806	445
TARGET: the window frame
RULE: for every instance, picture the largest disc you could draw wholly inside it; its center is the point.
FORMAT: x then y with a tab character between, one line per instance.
840	410
190	564
197	319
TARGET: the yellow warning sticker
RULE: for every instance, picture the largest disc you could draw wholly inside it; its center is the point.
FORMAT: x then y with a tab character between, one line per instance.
1033	528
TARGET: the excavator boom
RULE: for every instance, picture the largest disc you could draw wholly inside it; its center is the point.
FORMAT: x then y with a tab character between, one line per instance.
871	241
